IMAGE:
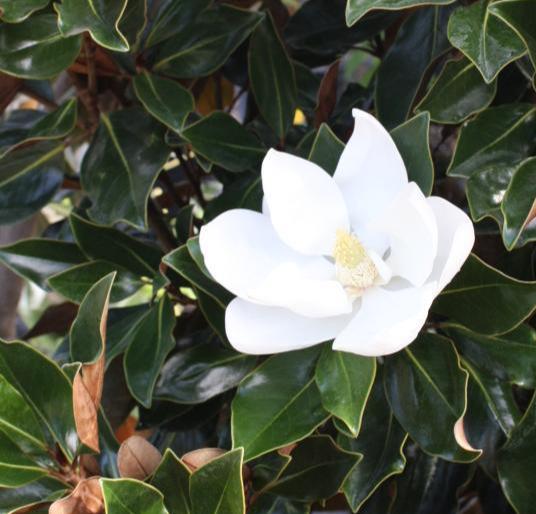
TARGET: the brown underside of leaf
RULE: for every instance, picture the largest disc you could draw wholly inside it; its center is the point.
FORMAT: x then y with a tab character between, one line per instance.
86	498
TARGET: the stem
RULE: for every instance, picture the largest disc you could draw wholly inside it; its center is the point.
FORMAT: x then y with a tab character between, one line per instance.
160	228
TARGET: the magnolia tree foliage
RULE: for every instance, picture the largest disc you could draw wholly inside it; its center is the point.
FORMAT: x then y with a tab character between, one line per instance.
138	141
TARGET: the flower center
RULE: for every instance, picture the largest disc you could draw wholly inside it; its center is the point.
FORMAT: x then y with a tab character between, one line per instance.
355	269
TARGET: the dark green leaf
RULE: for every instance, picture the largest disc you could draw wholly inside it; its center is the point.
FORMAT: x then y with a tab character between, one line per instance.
202	372
203	46
277	404
75	282
356	9
165	99
419	41
345	381
484	38
278	505
223	141
38	491
272	77
516	460
412	139
316	472
151	343
38	259
116	247
123	161
15	11
34	49
216	487
326	150
485	300
499	135
127	496
519	15
29	371
16	468
99	18
133	22
172	479
87	336
427	388
457	93
519	206
380	442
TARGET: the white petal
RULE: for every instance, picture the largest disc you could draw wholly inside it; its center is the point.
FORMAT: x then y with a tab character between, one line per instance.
241	248
304	291
456	239
305	204
387	320
412	229
259	329
370	171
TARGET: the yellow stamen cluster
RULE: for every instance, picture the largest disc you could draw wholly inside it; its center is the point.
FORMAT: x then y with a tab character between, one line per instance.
355	269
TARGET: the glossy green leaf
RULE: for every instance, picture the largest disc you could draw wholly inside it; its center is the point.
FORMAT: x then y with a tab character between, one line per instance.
55	125
203	46
15	11
75	282
172	479
37	259
272	77
498	135
99	17
150	345
36	492
326	150
344	381
123	161
485	300
519	206
133	22
16	468
457	93
278	505
380	442
510	357
127	496
199	373
419	41
484	38
165	99
515	461
412	139
427	391
172	17
223	141
114	246
277	404
519	15
29	371
34	49
316	472
356	9
87	335
216	487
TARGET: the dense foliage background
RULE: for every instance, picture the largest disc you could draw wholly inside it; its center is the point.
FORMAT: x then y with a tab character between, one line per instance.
126	125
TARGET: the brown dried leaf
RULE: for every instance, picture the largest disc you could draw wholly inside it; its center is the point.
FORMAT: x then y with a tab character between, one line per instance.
137	458
327	95
86	498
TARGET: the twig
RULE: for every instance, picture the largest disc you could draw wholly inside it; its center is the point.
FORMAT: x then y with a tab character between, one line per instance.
190	175
160	228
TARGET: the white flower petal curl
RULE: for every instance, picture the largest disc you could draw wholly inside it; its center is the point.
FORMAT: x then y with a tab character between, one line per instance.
456	240
370	171
259	329
305	205
412	229
387	321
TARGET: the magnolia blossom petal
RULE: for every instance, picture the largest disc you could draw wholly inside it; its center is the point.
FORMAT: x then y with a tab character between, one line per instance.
413	233
387	321
305	204
259	329
303	290
241	248
370	171
456	239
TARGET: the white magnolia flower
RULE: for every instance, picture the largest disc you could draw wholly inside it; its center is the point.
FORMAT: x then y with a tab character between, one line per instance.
357	257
